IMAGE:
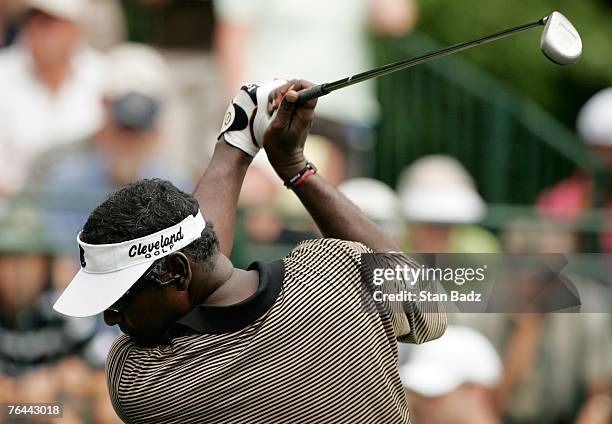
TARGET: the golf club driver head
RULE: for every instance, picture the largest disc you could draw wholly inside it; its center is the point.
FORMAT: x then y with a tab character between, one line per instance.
560	42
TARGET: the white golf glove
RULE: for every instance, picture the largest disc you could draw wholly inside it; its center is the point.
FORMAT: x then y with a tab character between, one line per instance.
247	117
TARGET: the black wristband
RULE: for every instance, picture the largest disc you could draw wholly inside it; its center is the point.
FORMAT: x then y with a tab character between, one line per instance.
301	176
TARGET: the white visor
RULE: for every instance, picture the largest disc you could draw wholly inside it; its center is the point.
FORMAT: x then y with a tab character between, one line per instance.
109	270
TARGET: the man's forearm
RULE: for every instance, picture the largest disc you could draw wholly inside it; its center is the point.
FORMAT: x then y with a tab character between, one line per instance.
338	217
334	214
219	188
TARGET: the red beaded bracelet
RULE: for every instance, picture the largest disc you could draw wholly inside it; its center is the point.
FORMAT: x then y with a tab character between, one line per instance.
308	171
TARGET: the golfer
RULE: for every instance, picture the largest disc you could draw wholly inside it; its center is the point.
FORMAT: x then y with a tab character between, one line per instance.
294	340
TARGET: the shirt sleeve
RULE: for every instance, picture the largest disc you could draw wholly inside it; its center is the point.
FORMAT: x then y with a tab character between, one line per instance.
114	368
414	321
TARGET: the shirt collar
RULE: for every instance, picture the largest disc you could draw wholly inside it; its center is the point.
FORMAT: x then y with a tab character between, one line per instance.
215	319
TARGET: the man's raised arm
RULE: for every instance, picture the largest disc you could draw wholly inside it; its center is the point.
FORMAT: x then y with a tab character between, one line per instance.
218	190
338	218
335	215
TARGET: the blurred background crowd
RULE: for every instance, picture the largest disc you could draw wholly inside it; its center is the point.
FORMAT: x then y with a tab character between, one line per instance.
494	151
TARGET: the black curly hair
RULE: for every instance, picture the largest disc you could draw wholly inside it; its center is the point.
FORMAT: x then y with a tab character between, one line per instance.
146	207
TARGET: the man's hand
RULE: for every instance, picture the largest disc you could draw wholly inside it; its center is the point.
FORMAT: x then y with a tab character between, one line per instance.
248	116
285	137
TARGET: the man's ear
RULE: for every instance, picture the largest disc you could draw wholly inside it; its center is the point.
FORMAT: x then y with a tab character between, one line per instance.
180	267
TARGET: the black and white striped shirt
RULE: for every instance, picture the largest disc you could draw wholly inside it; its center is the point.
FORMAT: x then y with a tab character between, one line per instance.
304	348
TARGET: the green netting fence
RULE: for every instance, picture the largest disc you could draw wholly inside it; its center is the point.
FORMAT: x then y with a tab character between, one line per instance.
513	148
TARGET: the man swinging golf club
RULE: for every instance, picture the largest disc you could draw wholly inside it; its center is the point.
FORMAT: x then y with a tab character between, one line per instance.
297	339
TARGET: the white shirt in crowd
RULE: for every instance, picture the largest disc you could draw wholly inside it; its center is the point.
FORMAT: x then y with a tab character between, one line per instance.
33	118
320	41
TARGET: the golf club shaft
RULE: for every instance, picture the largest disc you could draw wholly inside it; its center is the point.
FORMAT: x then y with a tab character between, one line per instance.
323	89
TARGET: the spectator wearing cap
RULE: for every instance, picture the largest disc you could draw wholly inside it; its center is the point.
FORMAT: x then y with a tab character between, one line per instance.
451	380
377	200
51	84
567	200
31	333
75	178
557	366
441	206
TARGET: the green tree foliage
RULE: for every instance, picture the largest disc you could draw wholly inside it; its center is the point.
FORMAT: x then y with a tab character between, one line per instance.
518	61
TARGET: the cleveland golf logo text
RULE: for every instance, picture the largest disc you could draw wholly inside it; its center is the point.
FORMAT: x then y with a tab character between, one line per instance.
155	249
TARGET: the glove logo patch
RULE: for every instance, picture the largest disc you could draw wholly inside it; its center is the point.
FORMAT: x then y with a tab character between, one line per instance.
228	119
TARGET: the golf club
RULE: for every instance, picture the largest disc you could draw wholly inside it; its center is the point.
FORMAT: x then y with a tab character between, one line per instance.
560	43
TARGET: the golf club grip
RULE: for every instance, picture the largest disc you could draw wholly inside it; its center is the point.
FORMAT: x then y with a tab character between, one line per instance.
311	93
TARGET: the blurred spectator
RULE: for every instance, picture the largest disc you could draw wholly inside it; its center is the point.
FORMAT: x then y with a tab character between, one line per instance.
377	200
74	179
451	380
31	333
441	207
548	376
45	357
182	30
570	198
50	84
250	34
80	390
10	18
557	366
